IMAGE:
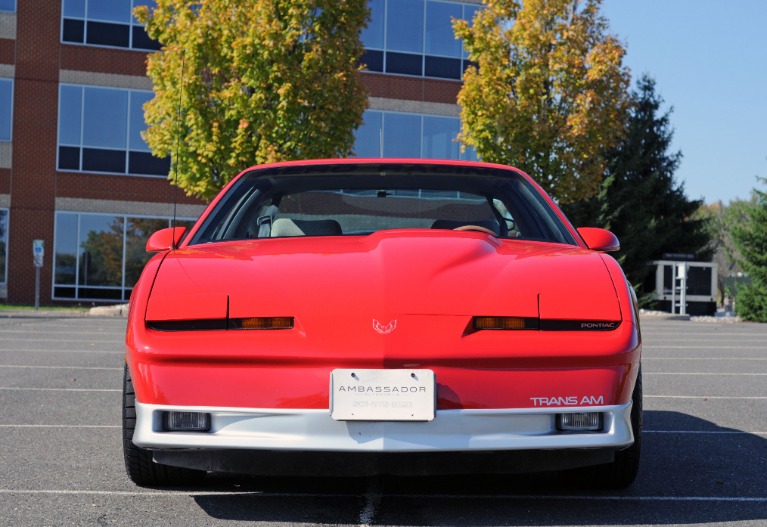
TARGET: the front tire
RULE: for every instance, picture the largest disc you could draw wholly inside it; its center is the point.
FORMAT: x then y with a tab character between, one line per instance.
139	465
623	470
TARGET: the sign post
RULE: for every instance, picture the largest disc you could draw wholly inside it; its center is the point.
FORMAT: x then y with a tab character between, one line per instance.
38	253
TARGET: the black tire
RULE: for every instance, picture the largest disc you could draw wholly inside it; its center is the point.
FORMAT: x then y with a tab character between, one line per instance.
139	465
623	470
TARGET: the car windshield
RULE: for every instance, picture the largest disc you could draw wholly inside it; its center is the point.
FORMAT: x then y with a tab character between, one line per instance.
354	200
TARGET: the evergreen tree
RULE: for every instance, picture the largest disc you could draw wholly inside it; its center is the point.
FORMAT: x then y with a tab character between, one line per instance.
639	199
750	238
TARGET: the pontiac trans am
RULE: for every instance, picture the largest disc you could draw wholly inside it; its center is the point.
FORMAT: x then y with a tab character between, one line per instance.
382	316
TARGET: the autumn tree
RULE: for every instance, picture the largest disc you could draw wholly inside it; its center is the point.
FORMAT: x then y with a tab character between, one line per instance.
751	240
639	199
252	81
549	92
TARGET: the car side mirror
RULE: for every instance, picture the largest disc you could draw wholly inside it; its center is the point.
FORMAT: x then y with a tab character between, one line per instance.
165	239
599	239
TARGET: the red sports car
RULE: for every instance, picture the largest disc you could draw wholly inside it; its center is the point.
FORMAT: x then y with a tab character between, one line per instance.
382	316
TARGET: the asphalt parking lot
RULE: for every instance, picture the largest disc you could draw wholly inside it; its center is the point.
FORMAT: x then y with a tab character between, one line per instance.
704	451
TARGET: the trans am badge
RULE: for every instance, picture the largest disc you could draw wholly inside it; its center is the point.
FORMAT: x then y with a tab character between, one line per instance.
384	330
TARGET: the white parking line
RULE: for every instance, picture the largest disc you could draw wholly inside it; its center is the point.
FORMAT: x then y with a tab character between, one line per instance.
718	374
21	389
64	332
24	389
30	339
16	351
645	431
177	493
60	426
702	397
704	432
703	358
36	367
646	346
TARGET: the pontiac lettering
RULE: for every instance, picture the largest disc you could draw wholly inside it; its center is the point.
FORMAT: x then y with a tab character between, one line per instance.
597	325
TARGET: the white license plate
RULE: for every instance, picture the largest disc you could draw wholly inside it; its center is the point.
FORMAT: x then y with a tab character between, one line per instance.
382	395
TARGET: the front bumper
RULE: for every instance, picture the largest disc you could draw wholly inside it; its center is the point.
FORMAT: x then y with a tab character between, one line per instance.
314	430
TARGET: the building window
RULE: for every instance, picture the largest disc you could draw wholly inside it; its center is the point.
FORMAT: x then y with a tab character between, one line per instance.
100	131
105	23
8	5
3	246
399	134
100	256
415	37
6	109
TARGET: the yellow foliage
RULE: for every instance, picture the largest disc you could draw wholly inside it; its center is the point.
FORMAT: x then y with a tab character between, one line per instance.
550	94
253	83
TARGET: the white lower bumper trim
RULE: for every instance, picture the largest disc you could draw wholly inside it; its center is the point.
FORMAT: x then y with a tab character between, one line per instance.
314	430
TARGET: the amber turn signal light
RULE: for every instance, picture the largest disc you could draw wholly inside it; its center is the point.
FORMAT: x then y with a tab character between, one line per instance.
482	323
266	323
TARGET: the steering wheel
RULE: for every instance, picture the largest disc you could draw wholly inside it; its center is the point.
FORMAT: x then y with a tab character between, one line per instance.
477	228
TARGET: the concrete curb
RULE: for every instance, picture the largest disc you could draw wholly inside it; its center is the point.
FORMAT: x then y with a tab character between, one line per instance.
120	310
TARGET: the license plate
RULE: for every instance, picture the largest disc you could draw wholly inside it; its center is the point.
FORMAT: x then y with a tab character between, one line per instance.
382	395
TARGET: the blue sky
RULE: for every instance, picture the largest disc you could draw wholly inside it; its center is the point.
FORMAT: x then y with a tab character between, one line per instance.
709	61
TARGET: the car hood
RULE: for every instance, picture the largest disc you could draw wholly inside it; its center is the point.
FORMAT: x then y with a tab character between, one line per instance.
384	275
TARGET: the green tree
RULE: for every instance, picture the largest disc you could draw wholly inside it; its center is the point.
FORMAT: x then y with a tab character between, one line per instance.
721	219
549	92
750	238
639	199
262	81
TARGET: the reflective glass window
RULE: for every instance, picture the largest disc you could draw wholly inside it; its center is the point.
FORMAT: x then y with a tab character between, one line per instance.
105	23
74	8
3	245
6	109
367	142
137	124
100	250
110	10
105	117
373	36
100	131
439	137
402	135
65	249
416	38
410	135
137	232
70	114
100	256
404	25
440	38
8	5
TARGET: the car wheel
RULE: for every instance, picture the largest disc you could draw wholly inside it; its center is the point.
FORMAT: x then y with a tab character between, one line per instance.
140	466
623	470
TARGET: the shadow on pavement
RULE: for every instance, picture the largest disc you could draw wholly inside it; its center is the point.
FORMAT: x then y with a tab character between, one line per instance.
692	472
